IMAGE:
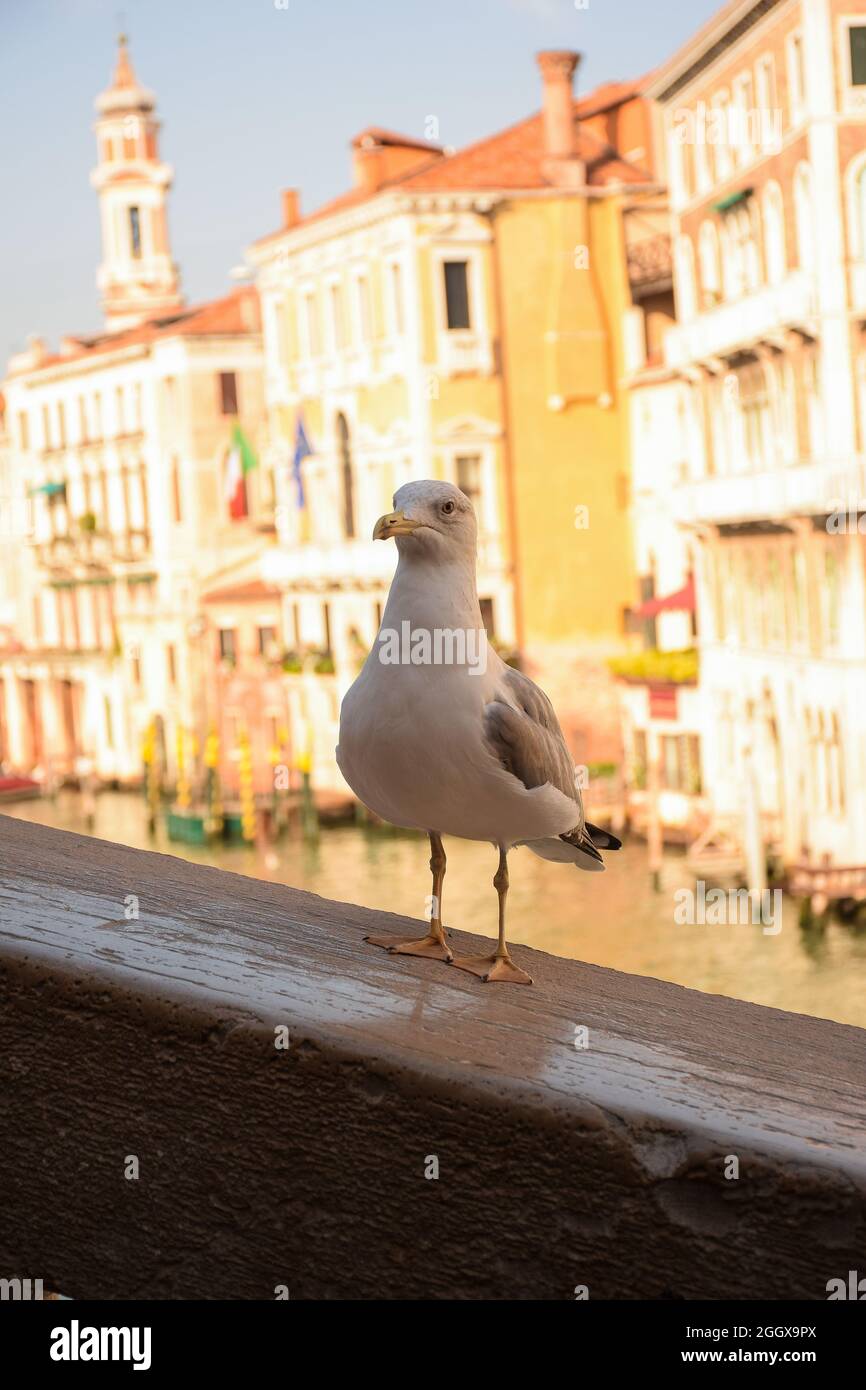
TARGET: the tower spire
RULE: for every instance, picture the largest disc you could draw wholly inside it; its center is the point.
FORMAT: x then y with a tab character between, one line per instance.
123	73
137	276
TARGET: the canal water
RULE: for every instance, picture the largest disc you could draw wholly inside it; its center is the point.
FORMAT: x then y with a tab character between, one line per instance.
614	919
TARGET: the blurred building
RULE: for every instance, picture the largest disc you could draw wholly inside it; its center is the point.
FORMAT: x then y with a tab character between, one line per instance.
134	450
659	697
764	114
461	315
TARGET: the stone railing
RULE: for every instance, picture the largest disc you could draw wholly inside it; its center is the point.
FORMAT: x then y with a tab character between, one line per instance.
212	1087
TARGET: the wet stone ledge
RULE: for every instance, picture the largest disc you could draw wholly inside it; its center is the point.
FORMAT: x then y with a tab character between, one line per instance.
305	1167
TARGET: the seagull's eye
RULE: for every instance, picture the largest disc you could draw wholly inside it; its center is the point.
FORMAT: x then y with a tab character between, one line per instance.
447	508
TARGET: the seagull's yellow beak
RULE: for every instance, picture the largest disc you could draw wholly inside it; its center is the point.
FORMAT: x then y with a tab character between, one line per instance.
394	524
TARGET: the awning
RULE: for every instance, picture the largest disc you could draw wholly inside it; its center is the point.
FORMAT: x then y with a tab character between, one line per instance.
683	599
48	489
733	199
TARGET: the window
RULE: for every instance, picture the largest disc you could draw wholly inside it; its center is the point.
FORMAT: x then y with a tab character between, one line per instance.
831	595
857	53
721	135
814	413
228	393
456	294
766	98
170	385
176	494
345	453
135	233
365	310
171	661
82	419
708	254
97	416
756	415
118	398
61	425
804	217
680	763
23	430
469	478
740	259
647	591
338	327
743	137
311	325
774	234
858	216
267	637
397	299
685	278
796	79
228	640
639	760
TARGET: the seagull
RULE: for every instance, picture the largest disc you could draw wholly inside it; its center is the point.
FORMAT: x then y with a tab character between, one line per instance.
438	734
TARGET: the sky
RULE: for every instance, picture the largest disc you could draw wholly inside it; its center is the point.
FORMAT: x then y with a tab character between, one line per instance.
255	96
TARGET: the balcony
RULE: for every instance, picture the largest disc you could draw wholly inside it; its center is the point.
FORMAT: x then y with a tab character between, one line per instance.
354	563
777	494
283	1084
738	325
91	548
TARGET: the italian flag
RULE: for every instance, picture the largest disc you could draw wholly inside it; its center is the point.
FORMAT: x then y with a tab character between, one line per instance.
240	462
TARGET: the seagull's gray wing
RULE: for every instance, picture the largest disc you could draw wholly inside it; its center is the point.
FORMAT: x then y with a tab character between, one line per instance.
523	733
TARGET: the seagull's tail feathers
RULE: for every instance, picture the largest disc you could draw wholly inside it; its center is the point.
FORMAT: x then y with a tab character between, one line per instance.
602	839
575	848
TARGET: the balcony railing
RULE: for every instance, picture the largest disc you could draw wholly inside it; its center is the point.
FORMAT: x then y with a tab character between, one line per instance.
742	323
789	490
284	1087
92	547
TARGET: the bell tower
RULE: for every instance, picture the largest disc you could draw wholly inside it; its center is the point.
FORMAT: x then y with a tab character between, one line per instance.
137	278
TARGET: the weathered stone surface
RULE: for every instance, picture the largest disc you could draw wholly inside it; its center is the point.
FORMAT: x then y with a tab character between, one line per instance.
259	1167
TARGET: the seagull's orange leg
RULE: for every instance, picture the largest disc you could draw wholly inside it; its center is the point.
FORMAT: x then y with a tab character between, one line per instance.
498	966
433	945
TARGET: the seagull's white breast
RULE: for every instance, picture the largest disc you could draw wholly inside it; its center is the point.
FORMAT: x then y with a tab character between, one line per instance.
412	749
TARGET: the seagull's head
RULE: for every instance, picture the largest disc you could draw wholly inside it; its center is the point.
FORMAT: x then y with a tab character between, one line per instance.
430	519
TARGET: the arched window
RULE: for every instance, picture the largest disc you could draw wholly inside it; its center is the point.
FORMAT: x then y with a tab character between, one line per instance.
774	234
685	281
346	474
756	415
855	180
708	255
804	217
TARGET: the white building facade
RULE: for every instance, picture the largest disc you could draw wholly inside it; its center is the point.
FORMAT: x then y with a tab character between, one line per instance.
764	117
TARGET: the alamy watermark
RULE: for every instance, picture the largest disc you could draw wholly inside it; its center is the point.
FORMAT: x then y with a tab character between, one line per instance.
438	646
758	126
722	907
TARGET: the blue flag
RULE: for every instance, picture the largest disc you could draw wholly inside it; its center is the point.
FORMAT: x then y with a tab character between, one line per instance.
302	451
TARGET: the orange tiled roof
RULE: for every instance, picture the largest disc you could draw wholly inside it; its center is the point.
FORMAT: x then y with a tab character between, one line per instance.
510	159
380	136
237	312
246	592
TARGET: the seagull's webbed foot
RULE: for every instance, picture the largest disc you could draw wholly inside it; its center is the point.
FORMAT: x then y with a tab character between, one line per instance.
433	946
493	968
498	966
